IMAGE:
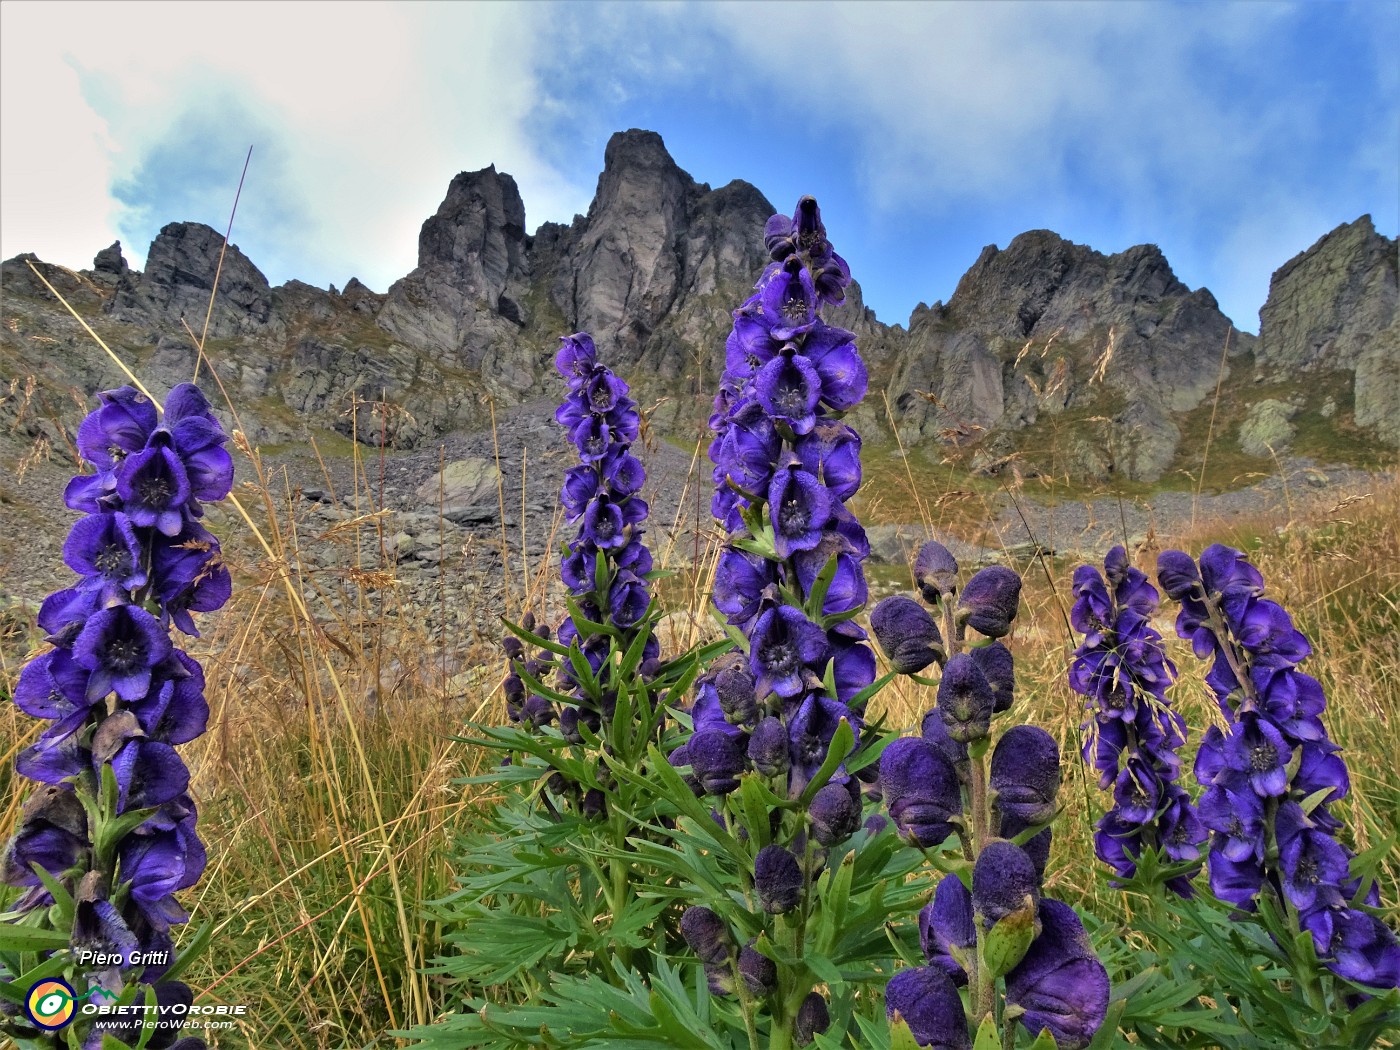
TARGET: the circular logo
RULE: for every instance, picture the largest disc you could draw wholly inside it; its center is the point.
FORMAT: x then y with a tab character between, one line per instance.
50	1004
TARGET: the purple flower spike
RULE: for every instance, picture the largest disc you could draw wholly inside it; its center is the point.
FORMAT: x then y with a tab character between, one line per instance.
921	791
1060	983
965	699
928	1002
777	879
989	602
907	633
1025	773
120	646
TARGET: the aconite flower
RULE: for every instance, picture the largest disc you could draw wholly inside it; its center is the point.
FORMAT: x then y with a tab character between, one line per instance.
1060	983
801	507
758	972
1004	880
965	699
784	649
104	548
921	791
947	932
716	759
768	747
999	666
925	999
120	646
813	1018
907	634
1025	774
989	601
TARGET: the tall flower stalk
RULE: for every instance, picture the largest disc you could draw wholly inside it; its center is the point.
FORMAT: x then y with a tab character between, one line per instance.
1272	775
1122	669
1024	957
782	714
108	838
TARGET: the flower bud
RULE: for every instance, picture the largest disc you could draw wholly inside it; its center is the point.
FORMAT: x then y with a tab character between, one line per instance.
758	972
717	759
1002	880
813	1018
735	687
965	699
935	571
594	805
708	935
835	814
927	1001
936	733
1025	774
989	601
907	634
778	879
947	933
768	747
921	790
999	667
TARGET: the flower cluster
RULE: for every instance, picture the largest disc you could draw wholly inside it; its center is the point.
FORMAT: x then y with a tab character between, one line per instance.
1271	776
996	925
113	824
790	577
1134	735
604	568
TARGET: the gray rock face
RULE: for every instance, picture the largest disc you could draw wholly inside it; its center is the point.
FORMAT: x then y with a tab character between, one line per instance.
1045	326
1267	429
1326	304
1378	386
178	279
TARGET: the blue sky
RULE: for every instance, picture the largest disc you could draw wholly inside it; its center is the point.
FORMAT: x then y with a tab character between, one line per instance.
1231	134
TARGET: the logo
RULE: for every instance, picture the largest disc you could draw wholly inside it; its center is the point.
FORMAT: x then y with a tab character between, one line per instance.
50	1004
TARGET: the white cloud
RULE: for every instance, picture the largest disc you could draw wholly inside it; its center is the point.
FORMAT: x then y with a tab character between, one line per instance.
366	111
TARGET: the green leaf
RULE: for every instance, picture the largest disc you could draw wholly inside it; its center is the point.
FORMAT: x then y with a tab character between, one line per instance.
988	1038
61	897
189	952
900	1036
820	586
1009	939
870	690
1044	1041
14	938
843	742
534	639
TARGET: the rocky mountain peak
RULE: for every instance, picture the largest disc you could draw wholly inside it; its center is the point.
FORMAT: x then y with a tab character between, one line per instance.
1325	304
477	236
179	276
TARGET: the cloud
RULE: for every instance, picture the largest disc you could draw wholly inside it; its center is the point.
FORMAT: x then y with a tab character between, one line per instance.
359	116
